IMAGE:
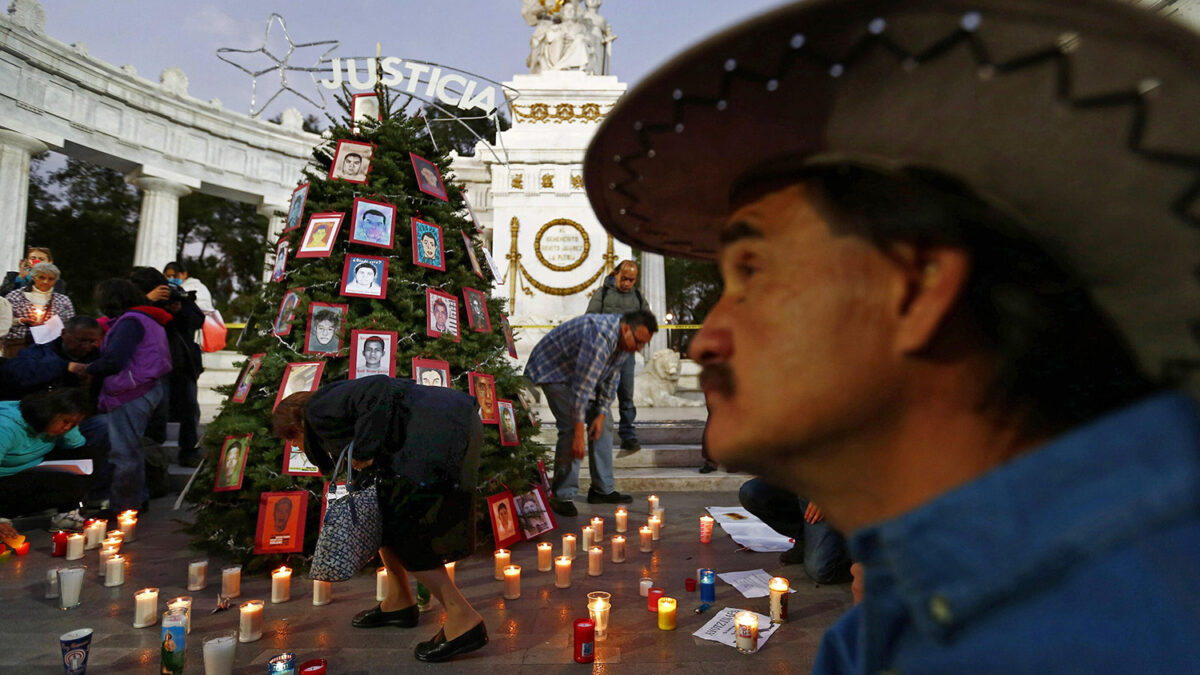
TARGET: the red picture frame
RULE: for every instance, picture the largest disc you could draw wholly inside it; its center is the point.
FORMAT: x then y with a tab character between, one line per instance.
482	383
508	434
534	515
355	289
358	224
287	386
420	366
503	513
226	479
469	245
358	339
246	378
430	184
451	305
313	344
331	223
356	103
338	168
295	462
296	207
283	324
508	336
479	320
285	531
420	257
279	269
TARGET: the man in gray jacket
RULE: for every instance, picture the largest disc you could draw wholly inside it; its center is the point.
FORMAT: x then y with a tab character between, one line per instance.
618	295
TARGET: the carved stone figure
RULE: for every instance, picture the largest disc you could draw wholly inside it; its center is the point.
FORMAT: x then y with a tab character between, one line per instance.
567	36
655	386
27	14
174	80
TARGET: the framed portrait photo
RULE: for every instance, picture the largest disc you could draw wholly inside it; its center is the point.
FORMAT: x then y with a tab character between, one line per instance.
469	246
428	248
508	423
295	214
477	311
324	335
246	378
372	352
508	336
295	462
287	312
483	388
364	107
281	518
504	519
281	252
431	372
441	314
534	516
303	376
351	161
231	463
319	236
374	223
429	178
364	276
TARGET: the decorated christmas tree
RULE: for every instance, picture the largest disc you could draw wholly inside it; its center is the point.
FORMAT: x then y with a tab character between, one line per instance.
378	272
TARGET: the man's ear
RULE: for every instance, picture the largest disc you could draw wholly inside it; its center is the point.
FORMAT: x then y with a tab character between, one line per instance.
934	279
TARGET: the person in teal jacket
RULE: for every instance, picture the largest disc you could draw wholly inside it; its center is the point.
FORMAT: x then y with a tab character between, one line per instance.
30	429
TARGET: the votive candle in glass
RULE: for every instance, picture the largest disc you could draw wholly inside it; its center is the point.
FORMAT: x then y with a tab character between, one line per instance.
545	556
70	585
595	561
502	557
219	653
652	597
52	583
512	582
127	521
562	572
568	548
115	535
114	574
145	611
94	533
75	546
381	584
662	516
183	602
281	585
651	503
586	539
599	606
647	539
597	529
708	585
197	575
106	552
231	581
746	632
706	527
322	592
250	623
618	548
655	524
622	518
666	613
779	599
644	586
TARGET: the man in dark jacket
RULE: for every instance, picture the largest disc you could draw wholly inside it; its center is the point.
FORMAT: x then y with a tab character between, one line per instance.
42	366
619	295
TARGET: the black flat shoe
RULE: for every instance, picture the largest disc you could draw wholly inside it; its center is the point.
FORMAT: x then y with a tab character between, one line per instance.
440	649
376	617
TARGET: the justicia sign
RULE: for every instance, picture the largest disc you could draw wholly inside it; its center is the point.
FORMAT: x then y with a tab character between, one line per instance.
419	78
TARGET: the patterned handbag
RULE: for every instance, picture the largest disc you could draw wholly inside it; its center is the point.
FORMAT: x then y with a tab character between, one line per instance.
352	530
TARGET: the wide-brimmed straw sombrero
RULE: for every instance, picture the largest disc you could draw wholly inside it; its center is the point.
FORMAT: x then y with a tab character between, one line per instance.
1083	116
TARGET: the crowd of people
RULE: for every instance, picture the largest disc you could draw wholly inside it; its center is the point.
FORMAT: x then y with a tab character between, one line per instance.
83	397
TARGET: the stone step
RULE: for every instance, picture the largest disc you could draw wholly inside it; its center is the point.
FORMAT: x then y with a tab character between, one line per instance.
656	455
655	432
669	479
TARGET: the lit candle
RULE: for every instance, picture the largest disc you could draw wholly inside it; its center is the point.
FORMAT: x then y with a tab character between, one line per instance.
652	597
70	583
708	585
127	521
75	543
250	626
381	584
622	517
512	582
595	561
106	552
322	592
503	557
618	548
183	602
197	575
59	544
666	613
599	605
115	535
146	608
662	516
52	583
562	572
597	529
219	652
114	574
231	581
94	533
746	625
647	538
568	549
450	571
651	503
644	586
586	540
779	599
545	556
706	526
281	585
655	524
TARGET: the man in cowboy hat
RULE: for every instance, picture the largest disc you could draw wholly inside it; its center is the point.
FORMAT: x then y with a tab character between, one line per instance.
960	251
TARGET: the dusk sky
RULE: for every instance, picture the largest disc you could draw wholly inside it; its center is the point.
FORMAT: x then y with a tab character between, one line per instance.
486	37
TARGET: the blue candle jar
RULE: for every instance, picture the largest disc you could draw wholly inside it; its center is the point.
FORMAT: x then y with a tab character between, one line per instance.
708	585
282	664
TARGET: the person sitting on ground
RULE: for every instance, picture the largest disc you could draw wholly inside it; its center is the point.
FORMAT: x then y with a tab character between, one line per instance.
821	548
47	365
34	305
30	432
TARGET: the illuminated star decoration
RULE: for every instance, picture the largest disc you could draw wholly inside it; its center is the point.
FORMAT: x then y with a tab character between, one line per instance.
280	65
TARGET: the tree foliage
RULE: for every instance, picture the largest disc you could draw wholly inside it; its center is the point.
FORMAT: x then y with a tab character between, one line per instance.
693	288
221	242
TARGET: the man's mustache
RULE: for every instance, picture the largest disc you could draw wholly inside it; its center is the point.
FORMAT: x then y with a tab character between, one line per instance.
717	377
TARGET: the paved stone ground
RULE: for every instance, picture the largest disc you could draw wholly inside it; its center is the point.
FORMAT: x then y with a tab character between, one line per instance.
531	634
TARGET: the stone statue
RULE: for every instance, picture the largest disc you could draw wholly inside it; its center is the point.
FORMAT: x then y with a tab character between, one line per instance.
567	35
174	80
655	386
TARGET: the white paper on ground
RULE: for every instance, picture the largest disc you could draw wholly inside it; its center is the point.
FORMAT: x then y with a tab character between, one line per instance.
47	331
746	529
81	467
751	583
720	628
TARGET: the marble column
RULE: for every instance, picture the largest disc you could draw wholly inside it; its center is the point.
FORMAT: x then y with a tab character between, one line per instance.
276	221
158	226
15	152
653	278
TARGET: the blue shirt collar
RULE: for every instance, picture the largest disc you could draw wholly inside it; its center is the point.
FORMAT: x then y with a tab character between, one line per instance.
1029	521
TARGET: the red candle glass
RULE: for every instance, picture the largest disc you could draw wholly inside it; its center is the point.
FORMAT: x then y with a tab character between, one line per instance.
652	598
689	584
59	543
585	641
22	548
313	667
